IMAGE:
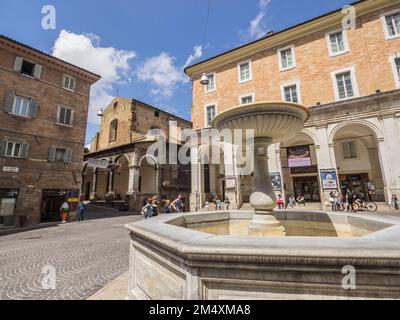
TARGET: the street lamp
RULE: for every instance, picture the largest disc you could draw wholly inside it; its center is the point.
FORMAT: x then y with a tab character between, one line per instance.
204	80
100	113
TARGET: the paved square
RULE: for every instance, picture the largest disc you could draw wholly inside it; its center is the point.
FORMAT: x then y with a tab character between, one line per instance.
86	256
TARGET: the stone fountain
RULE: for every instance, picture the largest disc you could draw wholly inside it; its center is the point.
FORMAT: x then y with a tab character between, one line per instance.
272	122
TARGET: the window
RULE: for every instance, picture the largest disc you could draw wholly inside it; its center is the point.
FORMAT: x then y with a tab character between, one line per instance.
244	70
27	67
287	58
65	115
13	149
211	112
337	43
349	150
21	106
290	93
391	22
59	154
395	62
246	99
345	84
157	114
69	82
211	83
113	130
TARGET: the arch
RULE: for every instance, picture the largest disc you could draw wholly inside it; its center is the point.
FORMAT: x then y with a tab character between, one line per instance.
153	160
311	135
376	131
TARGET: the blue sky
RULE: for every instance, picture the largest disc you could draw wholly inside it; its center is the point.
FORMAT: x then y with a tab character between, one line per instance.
141	47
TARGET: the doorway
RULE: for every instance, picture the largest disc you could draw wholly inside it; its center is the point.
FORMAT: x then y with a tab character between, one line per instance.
308	187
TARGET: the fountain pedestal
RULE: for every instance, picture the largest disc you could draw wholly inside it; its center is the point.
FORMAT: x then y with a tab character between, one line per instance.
271	122
263	198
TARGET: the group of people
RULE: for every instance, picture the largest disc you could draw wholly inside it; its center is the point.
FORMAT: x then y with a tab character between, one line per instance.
345	201
217	203
152	207
292	201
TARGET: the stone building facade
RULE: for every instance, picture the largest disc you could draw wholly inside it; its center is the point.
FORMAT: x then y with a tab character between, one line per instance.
347	72
128	128
43	115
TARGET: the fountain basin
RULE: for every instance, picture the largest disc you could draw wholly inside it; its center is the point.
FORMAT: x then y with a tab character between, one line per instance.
170	261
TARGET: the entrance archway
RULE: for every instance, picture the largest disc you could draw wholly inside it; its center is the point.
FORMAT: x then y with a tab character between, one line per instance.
300	168
148	177
358	160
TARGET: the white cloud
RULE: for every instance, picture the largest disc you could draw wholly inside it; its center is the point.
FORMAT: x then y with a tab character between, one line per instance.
163	73
111	64
198	53
257	27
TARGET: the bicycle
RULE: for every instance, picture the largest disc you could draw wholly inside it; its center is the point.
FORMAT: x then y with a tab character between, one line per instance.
360	206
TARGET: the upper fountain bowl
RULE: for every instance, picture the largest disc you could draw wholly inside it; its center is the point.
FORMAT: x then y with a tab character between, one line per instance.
277	121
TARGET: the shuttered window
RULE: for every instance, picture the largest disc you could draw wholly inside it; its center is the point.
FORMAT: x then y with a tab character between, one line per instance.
65	115
27	67
21	106
397	63
58	154
13	149
211	82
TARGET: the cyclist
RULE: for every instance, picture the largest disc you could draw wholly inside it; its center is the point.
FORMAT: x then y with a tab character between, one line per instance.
360	199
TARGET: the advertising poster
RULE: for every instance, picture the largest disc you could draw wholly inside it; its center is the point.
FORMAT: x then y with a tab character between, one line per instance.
329	179
276	181
299	156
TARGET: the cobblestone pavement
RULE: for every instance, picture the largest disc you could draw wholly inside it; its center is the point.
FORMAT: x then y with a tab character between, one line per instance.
86	257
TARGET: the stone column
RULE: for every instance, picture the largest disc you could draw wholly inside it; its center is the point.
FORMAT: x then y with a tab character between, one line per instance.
94	186
110	181
263	198
134	180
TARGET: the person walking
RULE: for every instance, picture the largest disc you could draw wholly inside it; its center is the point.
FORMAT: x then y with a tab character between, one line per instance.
340	202
81	211
147	210
64	210
350	200
333	201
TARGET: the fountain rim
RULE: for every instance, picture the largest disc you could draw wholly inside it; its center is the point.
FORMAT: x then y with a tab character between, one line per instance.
235	111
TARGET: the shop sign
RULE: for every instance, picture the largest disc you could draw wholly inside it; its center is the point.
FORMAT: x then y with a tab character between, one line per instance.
11	169
303	170
299	156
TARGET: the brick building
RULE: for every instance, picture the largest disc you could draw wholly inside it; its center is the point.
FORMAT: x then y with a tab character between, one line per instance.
43	115
124	172
348	77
